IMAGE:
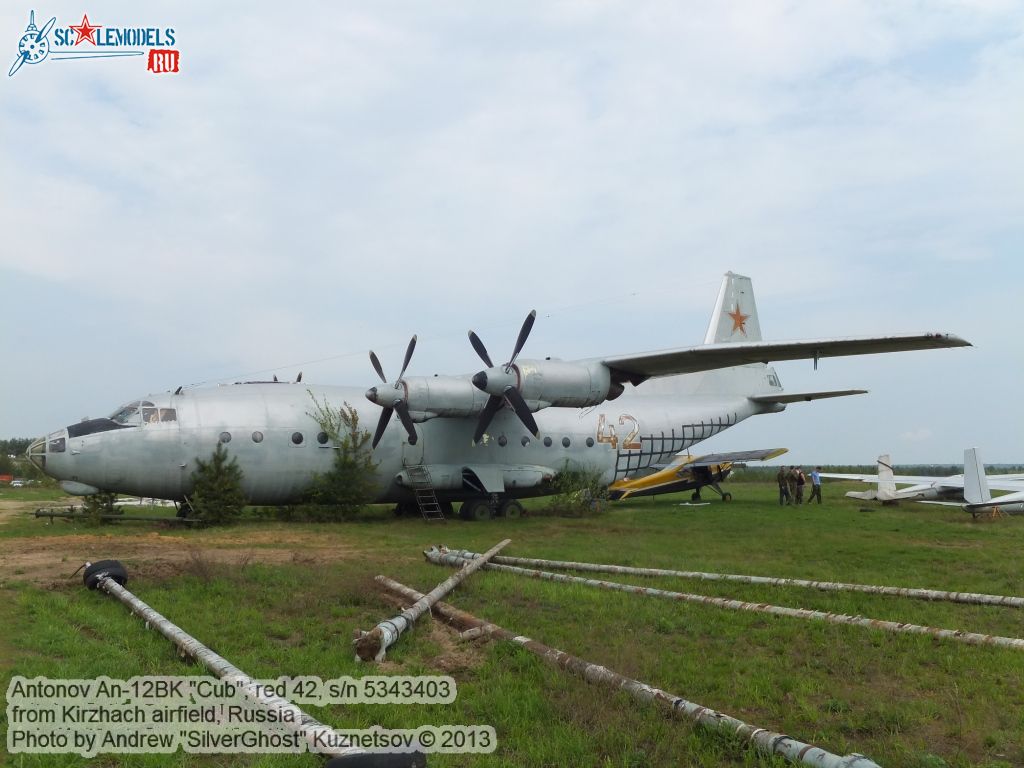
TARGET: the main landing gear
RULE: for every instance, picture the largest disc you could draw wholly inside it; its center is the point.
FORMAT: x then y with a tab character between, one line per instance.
481	508
726	496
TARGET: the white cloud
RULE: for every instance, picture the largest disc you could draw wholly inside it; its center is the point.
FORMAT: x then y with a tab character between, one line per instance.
427	169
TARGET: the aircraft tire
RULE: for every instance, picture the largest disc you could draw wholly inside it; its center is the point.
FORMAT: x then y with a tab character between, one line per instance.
511	509
111	568
695	496
475	509
726	496
379	760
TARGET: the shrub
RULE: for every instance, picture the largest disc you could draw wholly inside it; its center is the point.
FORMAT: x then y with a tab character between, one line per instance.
577	493
98	504
217	496
350	485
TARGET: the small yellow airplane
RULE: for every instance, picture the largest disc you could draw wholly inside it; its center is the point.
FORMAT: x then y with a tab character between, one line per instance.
690	473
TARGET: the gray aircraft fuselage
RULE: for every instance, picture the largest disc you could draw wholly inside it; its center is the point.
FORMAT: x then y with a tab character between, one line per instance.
280	447
615	416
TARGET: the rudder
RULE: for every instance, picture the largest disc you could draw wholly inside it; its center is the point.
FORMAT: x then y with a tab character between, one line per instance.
975	483
735	316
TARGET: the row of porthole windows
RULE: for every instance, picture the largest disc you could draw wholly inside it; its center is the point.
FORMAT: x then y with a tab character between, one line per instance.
566	442
322	438
297	437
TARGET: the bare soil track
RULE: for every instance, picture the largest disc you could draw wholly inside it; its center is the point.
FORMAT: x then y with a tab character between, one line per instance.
48	560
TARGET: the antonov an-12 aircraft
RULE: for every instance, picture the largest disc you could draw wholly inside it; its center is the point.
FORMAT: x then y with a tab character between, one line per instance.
472	438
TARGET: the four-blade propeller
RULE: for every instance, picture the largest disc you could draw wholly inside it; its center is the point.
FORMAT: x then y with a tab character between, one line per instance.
392	399
502	387
509	393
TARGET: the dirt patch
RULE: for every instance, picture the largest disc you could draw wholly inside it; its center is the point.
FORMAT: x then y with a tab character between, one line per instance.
11	509
455	655
48	561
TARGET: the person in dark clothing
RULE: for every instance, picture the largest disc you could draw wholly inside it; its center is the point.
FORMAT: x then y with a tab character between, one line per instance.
783	480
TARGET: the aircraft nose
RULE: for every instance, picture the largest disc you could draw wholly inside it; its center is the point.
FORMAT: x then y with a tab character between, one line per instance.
36	454
47	448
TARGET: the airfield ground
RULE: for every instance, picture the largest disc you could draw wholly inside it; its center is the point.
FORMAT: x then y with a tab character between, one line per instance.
284	599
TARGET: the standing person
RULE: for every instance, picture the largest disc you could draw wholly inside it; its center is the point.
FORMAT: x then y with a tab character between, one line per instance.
791	479
815	485
783	480
801	481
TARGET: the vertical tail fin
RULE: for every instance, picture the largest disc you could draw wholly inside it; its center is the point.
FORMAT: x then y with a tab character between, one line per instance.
886	485
975	483
735	315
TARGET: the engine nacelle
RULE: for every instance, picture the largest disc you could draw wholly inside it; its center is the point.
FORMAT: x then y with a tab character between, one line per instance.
544	383
432	396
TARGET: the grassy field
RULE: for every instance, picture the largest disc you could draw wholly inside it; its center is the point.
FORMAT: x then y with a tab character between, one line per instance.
279	599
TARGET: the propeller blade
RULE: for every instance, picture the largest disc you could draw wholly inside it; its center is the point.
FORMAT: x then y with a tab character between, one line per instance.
403	414
522	410
17	65
46	29
408	357
524	334
480	349
494	404
382	424
376	366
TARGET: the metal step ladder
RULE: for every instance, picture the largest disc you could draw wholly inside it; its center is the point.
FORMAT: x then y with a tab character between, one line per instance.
423	488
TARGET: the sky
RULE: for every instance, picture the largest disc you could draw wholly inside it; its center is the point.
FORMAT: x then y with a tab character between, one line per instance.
321	180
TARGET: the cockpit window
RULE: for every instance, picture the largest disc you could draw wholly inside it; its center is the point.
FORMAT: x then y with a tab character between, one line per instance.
127	414
130	414
157	415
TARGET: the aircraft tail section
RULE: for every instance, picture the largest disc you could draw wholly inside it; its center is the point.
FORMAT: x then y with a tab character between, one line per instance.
886	483
975	483
735	316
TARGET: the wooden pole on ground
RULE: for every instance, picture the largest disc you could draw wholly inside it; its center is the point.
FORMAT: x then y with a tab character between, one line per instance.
763	740
975	598
971	638
373	645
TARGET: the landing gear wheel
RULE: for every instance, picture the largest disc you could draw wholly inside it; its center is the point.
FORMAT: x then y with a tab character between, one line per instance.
726	496
112	569
475	509
511	509
695	496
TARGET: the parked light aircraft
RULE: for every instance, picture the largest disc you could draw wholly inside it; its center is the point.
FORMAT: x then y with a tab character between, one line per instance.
689	473
970	491
474	437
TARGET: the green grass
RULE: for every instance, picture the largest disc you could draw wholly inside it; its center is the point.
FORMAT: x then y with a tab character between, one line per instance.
902	700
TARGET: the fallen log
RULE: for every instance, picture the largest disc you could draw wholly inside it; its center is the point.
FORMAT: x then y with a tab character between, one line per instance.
373	645
761	739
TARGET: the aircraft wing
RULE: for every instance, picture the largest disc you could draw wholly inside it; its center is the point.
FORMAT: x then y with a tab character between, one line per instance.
706	357
734	457
953	482
995	483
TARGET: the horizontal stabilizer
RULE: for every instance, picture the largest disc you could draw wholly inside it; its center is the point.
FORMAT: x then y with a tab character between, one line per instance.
708	357
805	397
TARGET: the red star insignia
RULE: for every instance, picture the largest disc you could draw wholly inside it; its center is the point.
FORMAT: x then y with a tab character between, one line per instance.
739	320
85	30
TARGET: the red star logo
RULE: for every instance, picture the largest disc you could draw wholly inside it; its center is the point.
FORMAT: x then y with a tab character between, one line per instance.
85	30
739	320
